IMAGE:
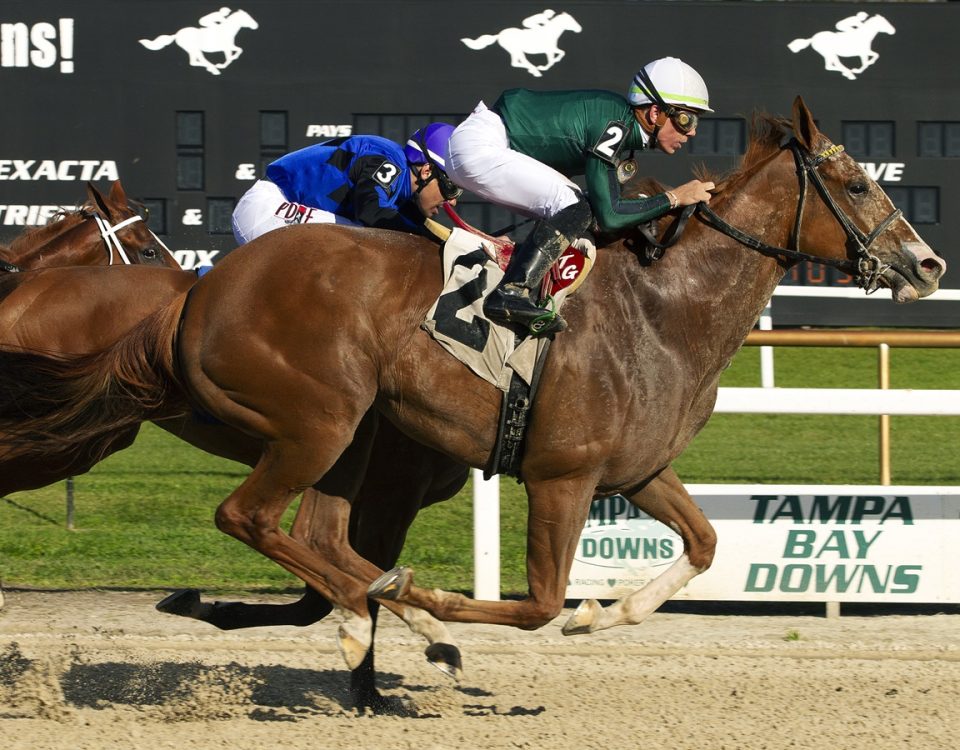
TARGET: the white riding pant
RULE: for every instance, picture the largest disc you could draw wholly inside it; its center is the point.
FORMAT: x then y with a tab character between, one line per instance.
481	161
263	208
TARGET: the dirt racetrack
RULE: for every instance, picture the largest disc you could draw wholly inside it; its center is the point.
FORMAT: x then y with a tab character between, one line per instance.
103	670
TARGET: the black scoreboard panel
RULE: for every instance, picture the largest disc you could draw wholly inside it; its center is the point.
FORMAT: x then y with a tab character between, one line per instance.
186	101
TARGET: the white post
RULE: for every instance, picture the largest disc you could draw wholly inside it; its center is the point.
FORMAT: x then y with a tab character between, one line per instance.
486	537
766	352
884	365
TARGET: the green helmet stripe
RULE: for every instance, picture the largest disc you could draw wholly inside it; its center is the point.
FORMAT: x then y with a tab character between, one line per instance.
667	96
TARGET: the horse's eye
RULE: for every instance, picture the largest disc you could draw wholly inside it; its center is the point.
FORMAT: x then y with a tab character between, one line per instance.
858	188
150	253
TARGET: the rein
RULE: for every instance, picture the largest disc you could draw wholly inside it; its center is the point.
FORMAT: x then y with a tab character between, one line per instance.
867	270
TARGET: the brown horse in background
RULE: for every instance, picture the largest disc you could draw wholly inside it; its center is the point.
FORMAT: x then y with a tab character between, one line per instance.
38	311
103	231
634	379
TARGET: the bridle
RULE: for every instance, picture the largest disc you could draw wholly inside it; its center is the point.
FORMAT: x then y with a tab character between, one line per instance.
867	270
108	232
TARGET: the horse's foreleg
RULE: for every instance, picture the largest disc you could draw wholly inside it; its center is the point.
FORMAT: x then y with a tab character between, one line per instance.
666	499
557	512
399	478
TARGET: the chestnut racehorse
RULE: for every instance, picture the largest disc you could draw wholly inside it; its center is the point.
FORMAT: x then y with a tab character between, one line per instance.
625	390
104	231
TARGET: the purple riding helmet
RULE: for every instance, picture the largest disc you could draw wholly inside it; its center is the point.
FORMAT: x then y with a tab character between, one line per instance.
429	145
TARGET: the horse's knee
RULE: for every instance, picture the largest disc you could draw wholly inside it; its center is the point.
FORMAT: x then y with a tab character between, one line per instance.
540	613
702	547
227	519
250	527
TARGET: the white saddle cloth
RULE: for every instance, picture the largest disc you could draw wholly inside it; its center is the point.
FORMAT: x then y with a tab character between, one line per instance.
488	349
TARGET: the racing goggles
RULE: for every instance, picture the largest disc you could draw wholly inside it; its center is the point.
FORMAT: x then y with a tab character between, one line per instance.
448	189
683	120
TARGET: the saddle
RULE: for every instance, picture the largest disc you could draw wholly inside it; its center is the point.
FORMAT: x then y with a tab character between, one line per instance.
473	264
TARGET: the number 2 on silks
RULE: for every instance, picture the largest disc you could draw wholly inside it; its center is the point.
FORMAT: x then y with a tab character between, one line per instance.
610	142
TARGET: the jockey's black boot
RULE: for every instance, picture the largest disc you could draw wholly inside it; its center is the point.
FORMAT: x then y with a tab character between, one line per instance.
514	299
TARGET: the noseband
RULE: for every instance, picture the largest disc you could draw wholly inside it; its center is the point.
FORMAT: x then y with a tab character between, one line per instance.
867	269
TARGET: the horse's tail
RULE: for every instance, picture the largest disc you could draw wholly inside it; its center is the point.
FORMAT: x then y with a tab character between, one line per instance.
798	44
76	405
481	42
159	43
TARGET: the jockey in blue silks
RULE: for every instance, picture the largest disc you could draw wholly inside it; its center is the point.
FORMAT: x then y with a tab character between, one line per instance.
361	180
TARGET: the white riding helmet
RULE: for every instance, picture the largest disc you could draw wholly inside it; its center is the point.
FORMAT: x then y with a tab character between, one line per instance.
675	82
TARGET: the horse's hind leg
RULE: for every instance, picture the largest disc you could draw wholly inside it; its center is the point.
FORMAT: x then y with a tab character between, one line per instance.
307	610
252	513
666	499
311	607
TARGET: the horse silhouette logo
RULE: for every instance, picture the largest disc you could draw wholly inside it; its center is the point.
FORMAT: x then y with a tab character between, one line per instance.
853	38
215	33
539	36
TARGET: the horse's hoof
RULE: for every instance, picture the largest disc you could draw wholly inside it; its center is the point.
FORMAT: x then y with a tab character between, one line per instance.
446	658
584	618
391	585
185	603
353	649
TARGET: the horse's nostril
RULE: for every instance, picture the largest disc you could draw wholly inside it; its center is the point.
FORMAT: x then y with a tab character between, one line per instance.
929	264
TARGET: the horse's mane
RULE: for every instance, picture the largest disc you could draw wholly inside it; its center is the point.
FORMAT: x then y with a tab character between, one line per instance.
765	138
37	236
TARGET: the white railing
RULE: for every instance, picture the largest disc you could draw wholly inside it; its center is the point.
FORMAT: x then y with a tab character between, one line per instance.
766	317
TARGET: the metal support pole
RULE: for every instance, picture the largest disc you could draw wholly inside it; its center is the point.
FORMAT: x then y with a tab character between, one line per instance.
884	351
70	504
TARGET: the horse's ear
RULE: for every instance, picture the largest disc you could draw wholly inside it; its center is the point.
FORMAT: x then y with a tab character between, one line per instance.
118	196
804	128
97	201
